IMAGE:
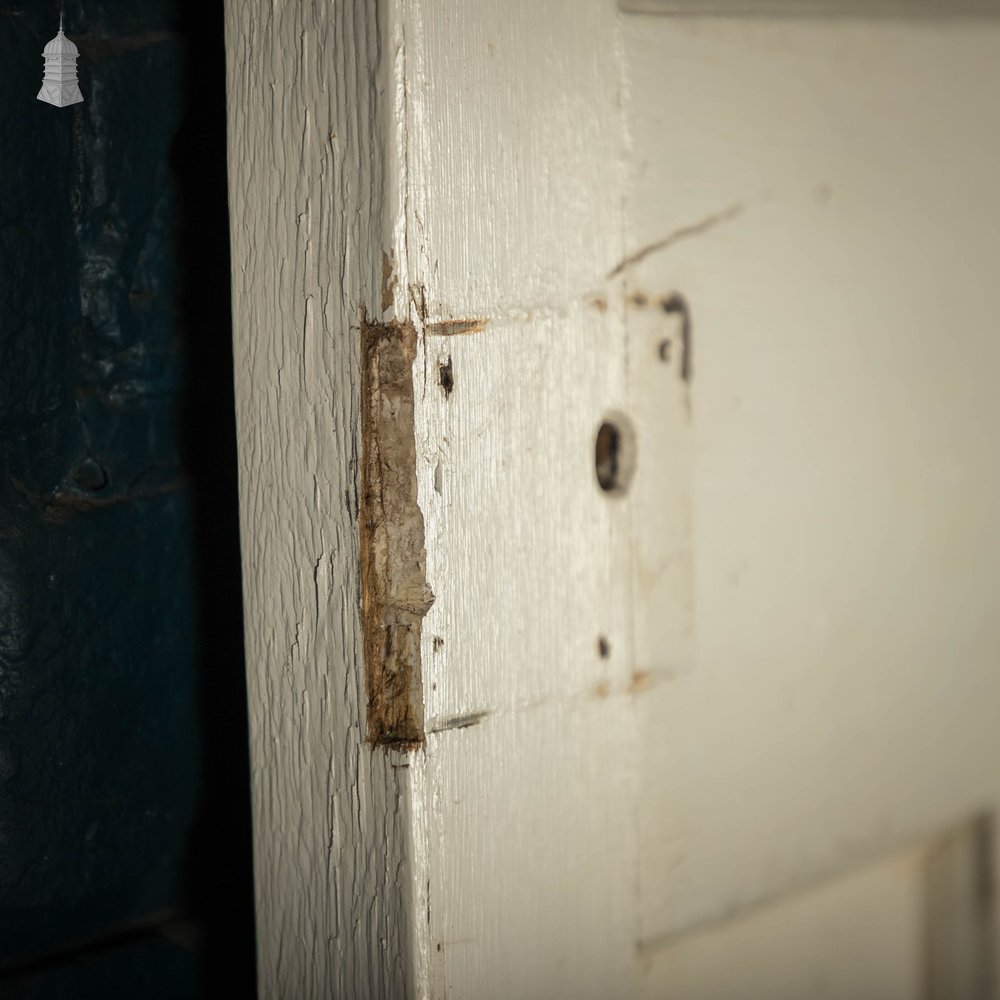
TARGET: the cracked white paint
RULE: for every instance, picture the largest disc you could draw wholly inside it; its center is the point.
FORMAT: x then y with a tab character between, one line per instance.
308	141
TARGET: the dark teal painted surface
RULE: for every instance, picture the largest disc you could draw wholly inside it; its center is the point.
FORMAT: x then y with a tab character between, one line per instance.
123	781
152	969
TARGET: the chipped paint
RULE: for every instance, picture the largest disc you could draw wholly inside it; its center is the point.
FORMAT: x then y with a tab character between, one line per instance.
465	721
676	305
388	279
395	595
673	304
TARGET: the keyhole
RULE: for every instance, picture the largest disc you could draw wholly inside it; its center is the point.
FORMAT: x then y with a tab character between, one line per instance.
614	454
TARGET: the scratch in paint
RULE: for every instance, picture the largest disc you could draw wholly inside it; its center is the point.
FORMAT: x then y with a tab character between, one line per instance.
684	233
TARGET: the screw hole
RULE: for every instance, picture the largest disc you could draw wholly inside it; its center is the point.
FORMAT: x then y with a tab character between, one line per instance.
603	647
90	475
446	376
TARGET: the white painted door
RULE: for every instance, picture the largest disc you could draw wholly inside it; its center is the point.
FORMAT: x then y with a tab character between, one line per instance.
831	184
652	650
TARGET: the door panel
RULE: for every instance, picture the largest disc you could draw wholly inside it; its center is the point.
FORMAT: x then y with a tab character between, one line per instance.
823	196
859	936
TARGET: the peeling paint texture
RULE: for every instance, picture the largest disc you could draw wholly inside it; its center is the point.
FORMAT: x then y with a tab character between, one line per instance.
395	595
306	168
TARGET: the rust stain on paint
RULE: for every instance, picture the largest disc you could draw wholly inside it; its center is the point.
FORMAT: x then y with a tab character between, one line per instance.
642	680
394	591
444	327
455	327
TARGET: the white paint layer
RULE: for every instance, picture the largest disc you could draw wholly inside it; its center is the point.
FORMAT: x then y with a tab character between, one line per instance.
843	695
307	152
513	222
665	730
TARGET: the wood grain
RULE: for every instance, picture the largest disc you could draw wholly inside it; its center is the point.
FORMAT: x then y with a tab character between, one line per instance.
308	140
